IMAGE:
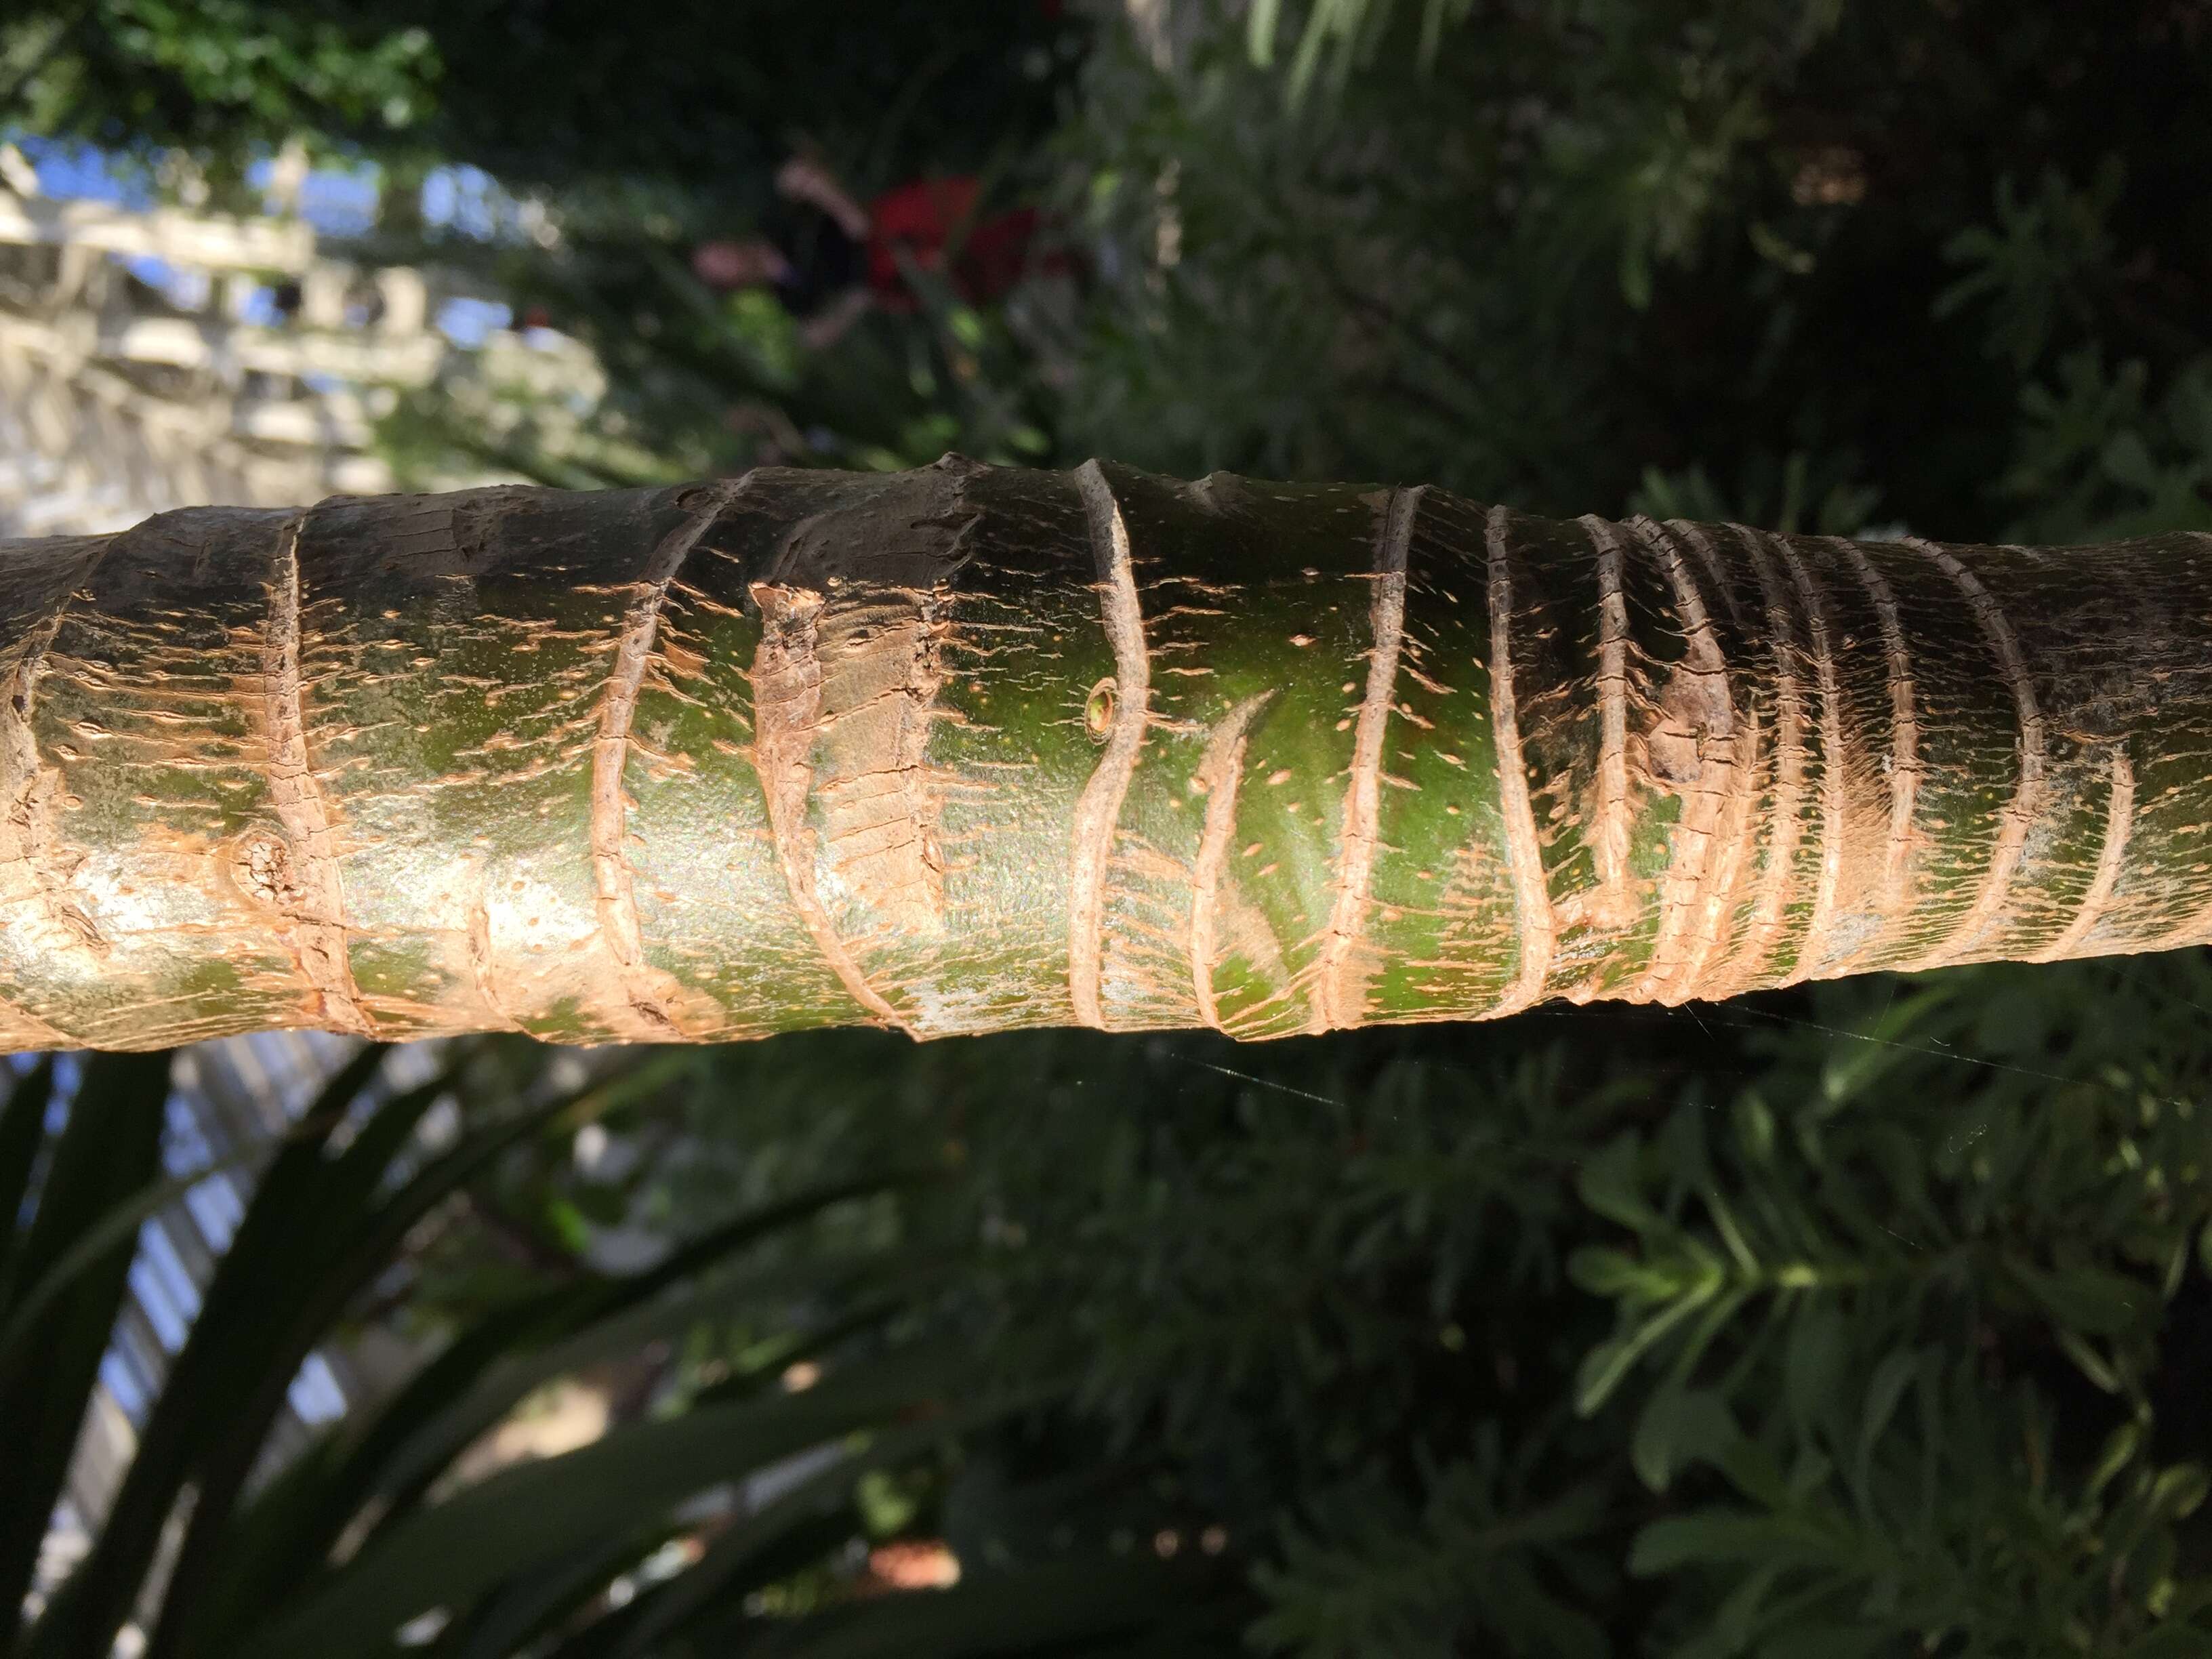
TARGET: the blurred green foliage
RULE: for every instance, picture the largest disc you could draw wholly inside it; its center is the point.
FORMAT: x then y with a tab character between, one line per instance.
1866	1319
1590	240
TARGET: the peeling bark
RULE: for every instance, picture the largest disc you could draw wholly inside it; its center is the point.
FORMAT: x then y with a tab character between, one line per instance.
1613	816
1778	881
1694	751
1901	761
1534	929
2019	815
1116	710
2119	817
617	886
1339	989
37	906
1813	951
297	874
787	715
969	749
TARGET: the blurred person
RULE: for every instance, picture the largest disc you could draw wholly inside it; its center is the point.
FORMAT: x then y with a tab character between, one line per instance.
829	260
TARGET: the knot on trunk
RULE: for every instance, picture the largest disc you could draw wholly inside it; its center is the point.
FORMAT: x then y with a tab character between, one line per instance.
261	865
1693	706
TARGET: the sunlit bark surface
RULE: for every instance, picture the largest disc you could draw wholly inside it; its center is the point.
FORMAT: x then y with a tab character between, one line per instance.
968	749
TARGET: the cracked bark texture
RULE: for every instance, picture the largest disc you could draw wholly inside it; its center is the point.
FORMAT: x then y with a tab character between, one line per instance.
969	749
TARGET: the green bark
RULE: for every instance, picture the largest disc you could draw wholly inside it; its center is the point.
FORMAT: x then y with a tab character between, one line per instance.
968	749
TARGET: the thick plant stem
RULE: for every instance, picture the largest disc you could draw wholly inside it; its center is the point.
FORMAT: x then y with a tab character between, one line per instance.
968	749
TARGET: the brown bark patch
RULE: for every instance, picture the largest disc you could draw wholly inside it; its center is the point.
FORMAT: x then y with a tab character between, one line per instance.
878	801
1345	963
1693	707
1692	750
30	802
261	863
1535	925
1099	812
656	1000
318	910
788	714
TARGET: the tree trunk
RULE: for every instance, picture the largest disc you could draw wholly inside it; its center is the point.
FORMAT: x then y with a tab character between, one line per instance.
968	749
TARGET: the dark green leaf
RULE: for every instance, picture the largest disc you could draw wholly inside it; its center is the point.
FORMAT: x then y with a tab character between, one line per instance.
1612	1185
2180	1640
1831	1641
1883	1391
601	1318
1738	1617
355	1242
532	1600
120	1223
1719	1537
1680	1427
110	1148
1013	1614
281	1542
235	1356
623	1328
1605	1366
725	1572
1814	1363
2092	1301
462	1549
22	1132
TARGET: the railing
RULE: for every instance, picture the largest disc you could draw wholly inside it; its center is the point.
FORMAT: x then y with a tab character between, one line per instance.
159	358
